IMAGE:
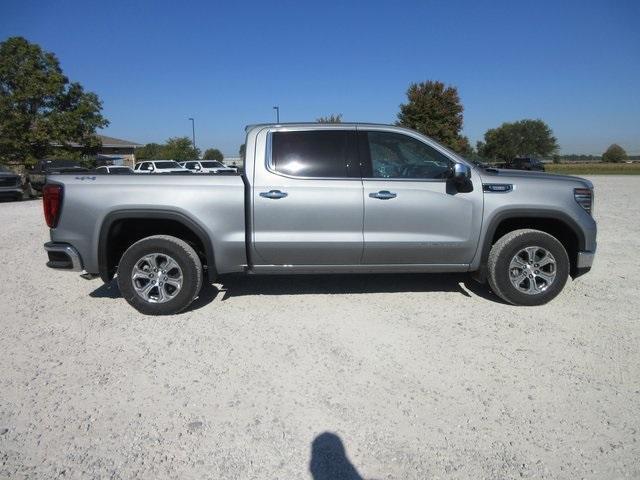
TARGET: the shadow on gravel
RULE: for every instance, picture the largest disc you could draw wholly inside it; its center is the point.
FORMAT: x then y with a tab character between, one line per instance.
329	461
111	290
241	285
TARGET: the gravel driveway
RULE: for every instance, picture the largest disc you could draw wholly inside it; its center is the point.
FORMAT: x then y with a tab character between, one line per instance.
383	377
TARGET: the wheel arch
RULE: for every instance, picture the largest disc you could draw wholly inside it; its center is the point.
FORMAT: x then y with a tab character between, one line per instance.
149	222
556	223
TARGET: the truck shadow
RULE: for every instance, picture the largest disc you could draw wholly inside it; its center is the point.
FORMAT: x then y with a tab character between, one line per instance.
230	286
111	290
237	286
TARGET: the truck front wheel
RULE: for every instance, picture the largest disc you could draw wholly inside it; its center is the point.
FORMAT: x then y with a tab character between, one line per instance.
527	267
160	275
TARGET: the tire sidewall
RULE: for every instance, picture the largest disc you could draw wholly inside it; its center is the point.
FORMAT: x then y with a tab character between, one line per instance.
532	239
190	285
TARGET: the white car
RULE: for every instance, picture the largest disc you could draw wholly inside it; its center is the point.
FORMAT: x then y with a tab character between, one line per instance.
158	166
117	169
207	166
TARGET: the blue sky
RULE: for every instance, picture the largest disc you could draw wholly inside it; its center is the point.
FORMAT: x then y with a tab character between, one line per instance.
575	65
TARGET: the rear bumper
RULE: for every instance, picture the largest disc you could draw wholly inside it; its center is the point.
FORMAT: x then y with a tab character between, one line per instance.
583	263
585	259
63	256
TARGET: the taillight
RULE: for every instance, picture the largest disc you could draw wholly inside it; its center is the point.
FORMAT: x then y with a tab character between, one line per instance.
584	197
52	203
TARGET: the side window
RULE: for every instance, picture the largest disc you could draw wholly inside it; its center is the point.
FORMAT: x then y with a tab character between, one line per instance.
314	153
190	165
145	166
394	155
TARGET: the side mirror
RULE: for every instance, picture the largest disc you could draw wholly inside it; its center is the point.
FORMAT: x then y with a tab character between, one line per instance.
198	167
461	173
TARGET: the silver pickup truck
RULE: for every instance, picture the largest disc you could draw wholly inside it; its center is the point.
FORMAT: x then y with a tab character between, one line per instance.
320	198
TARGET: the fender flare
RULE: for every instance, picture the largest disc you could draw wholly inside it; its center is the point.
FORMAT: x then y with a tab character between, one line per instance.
517	213
158	214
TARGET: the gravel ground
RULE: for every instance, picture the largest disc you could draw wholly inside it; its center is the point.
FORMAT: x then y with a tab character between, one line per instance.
417	376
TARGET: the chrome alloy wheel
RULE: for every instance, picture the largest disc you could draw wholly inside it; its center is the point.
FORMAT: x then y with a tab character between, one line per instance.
156	278
532	270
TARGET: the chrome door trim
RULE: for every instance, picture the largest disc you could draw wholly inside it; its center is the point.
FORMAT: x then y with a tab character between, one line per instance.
359	268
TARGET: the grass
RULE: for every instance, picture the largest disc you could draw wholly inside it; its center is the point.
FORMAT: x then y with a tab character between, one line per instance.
594	168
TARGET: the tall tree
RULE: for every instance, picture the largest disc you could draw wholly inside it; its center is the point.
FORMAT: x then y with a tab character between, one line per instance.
333	118
151	151
517	139
213	154
180	149
40	110
435	110
614	154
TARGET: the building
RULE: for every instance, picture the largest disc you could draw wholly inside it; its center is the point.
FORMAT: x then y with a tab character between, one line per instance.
116	151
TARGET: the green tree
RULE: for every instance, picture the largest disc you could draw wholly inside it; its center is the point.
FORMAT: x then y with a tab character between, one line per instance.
213	154
151	151
40	110
333	118
521	138
614	154
180	149
436	111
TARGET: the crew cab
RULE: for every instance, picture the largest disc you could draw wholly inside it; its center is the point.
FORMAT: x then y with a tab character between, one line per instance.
158	166
324	198
207	166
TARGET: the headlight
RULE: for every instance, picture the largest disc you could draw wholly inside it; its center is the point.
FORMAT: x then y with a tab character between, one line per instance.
584	197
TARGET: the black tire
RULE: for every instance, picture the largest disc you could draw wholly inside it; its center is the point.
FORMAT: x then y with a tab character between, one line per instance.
499	270
182	253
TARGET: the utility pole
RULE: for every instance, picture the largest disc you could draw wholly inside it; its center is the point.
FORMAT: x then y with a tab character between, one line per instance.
193	132
277	109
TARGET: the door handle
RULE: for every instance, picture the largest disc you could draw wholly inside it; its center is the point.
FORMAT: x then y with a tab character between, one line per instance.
383	195
273	194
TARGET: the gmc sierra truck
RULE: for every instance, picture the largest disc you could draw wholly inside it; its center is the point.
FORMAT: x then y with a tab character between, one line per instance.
322	198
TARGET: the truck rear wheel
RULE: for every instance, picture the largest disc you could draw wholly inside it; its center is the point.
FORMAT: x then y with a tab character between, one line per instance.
160	275
527	267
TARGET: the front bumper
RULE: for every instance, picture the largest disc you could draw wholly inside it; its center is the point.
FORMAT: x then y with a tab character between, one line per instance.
13	191
63	256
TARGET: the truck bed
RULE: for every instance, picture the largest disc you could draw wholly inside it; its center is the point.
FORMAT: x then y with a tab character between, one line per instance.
215	203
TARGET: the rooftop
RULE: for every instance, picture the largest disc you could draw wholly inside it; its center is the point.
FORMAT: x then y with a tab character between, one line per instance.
117	142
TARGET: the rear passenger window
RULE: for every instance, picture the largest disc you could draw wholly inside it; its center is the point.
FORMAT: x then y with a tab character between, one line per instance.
315	153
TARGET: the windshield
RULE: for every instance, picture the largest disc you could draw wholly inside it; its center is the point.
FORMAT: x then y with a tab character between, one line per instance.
212	164
4	170
167	164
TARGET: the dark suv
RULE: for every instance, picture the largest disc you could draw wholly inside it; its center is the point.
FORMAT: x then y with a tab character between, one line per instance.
525	163
10	184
